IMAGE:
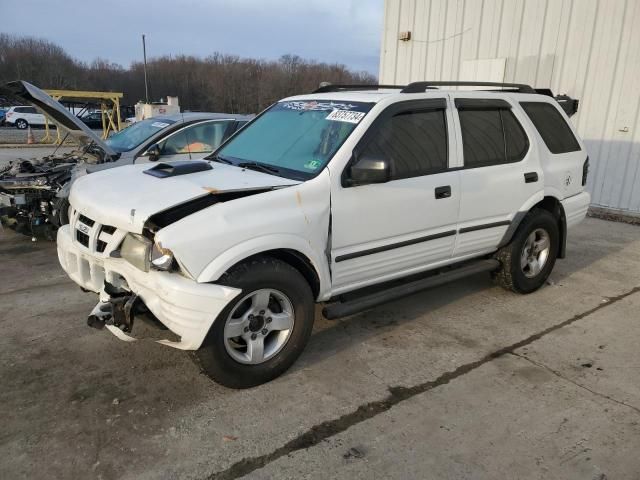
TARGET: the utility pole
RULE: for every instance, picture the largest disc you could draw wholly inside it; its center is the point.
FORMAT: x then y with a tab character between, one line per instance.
146	84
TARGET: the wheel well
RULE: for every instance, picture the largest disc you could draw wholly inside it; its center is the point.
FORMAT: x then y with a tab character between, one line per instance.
298	261
553	206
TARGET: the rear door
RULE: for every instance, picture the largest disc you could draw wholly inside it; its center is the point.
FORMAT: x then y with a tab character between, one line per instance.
500	173
33	116
387	230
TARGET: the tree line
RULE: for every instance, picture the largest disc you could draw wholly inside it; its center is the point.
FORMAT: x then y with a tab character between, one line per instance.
217	83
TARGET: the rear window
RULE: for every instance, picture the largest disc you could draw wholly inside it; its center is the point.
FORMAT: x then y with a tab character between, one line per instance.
553	128
25	110
491	137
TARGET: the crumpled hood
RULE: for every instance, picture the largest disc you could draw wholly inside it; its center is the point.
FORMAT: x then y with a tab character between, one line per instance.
125	197
32	95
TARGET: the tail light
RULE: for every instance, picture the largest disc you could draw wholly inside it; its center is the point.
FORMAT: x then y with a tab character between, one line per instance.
585	171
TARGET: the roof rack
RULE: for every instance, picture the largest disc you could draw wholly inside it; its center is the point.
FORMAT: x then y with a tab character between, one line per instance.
339	88
419	87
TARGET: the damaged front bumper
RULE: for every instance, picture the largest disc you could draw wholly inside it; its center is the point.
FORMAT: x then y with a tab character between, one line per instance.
185	307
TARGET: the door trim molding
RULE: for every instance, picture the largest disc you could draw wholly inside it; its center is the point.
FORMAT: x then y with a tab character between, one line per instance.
392	246
473	228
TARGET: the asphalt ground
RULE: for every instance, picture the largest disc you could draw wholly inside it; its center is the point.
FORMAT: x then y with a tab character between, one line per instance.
464	381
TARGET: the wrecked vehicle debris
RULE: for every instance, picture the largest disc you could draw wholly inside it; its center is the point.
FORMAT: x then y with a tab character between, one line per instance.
34	192
28	191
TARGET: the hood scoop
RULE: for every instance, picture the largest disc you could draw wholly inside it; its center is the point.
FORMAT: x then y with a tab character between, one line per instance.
174	169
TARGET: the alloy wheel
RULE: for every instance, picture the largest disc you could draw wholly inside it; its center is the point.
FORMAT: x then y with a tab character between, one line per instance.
259	326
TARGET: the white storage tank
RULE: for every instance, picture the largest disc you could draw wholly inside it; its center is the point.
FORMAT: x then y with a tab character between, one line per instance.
150	110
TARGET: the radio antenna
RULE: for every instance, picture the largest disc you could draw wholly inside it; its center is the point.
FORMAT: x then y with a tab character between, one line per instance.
146	83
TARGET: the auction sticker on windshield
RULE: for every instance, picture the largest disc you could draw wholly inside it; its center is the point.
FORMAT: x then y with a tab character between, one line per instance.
345	116
160	124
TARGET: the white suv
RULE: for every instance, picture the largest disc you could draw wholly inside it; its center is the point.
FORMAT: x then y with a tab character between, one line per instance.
23	116
373	191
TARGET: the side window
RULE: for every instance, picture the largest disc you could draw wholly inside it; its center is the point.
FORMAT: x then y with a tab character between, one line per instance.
553	129
414	142
491	137
516	140
30	110
175	144
200	138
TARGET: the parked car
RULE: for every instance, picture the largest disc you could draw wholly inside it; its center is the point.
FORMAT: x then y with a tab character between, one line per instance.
34	192
23	116
92	120
3	114
347	197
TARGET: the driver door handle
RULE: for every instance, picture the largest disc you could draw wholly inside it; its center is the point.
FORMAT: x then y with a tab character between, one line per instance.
443	192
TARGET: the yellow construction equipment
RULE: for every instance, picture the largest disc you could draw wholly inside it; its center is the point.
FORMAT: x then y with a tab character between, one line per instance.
109	109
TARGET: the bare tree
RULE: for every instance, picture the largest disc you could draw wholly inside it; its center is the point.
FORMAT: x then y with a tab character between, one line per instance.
218	82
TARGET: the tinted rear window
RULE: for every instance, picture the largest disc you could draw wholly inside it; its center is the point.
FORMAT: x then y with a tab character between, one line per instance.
26	110
553	129
491	137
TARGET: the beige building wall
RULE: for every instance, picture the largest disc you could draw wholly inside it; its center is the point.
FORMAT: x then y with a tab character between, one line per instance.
588	49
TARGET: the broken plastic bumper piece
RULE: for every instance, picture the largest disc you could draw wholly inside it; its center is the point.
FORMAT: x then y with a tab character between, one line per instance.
184	306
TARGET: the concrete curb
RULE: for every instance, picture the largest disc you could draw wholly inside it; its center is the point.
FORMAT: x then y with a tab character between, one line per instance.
614	215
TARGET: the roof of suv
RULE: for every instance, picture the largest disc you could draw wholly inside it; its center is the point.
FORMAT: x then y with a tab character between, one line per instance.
375	96
376	93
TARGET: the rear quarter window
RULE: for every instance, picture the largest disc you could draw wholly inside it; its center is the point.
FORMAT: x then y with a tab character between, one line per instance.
553	128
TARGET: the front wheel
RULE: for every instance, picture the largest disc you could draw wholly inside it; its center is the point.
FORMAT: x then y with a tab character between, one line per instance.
60	212
259	335
528	260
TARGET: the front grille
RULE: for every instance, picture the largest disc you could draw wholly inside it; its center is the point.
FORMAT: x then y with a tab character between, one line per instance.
89	233
87	221
82	238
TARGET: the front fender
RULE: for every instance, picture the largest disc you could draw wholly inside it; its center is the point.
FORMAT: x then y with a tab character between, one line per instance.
254	246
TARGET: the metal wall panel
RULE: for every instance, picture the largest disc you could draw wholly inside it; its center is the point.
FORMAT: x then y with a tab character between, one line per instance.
589	49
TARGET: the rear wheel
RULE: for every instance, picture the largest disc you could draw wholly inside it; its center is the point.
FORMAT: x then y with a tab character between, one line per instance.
259	335
21	124
529	258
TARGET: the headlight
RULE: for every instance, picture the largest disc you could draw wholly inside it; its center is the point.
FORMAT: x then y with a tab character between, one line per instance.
142	253
136	250
161	258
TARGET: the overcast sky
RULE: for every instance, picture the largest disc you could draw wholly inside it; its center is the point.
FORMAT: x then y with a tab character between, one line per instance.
343	31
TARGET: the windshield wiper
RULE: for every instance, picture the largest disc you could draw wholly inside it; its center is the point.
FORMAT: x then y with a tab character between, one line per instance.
220	159
260	167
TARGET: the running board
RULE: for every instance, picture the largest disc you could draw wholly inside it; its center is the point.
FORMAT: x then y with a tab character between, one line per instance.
342	309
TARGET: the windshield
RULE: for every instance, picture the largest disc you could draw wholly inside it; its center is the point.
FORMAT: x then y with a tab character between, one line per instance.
295	139
132	136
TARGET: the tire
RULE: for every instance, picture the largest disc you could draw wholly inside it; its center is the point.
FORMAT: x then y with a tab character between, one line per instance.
61	206
21	124
225	359
512	275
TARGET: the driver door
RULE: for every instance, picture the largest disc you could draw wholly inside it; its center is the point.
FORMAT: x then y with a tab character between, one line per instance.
382	231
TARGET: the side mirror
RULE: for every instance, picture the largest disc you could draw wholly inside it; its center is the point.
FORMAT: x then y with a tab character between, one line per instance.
153	152
369	169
